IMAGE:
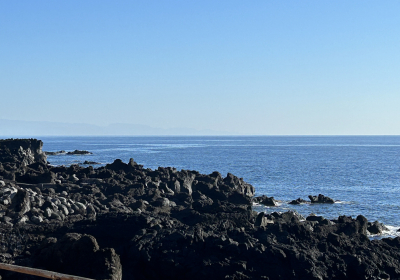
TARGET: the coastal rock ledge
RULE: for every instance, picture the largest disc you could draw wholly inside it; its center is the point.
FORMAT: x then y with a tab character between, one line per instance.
123	221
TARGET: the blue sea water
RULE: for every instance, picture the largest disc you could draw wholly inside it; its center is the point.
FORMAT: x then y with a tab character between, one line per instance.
363	172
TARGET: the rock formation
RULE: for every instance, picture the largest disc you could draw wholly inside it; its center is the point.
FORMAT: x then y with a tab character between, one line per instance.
265	200
297	201
320	199
79	152
21	152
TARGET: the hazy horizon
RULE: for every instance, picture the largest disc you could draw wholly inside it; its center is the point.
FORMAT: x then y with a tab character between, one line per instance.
13	128
225	67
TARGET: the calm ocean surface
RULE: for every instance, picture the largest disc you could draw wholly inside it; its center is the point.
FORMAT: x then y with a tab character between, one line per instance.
363	172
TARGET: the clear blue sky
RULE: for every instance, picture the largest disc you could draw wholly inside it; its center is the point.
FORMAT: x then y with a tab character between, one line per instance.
247	67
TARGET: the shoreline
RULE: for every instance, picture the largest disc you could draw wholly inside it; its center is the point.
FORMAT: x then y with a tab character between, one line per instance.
131	222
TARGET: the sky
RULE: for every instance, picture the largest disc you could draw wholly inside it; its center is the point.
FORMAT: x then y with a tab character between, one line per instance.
239	67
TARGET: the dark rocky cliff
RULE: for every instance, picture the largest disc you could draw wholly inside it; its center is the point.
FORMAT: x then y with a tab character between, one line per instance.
21	152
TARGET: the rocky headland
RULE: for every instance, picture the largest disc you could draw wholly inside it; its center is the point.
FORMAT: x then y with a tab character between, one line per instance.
124	221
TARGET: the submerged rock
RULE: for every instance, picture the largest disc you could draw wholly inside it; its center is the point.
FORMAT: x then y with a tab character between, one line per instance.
79	152
89	162
298	201
55	153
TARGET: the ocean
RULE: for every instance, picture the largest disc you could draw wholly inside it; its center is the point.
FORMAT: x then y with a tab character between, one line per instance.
361	172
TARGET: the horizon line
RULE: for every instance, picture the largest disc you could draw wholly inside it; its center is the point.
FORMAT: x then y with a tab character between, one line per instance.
208	135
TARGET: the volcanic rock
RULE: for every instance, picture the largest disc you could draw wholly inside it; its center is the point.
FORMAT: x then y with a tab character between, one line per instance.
320	199
79	152
21	152
298	201
376	227
265	200
90	162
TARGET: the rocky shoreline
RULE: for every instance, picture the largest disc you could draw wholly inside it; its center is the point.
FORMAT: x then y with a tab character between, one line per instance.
123	221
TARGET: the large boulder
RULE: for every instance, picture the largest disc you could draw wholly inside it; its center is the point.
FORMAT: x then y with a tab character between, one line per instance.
265	200
376	227
320	199
350	226
21	203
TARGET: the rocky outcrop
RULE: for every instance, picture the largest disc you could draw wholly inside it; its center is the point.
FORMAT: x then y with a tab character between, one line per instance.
123	220
320	199
376	227
62	152
298	201
265	200
21	152
79	152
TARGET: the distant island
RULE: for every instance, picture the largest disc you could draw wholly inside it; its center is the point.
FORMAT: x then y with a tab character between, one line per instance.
35	128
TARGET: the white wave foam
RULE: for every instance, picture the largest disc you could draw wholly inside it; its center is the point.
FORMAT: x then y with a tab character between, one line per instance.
343	202
278	204
392	231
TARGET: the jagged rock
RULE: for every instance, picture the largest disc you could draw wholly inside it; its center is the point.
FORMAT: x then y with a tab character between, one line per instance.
376	227
318	219
186	182
265	200
22	152
351	227
262	220
21	202
320	199
297	201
